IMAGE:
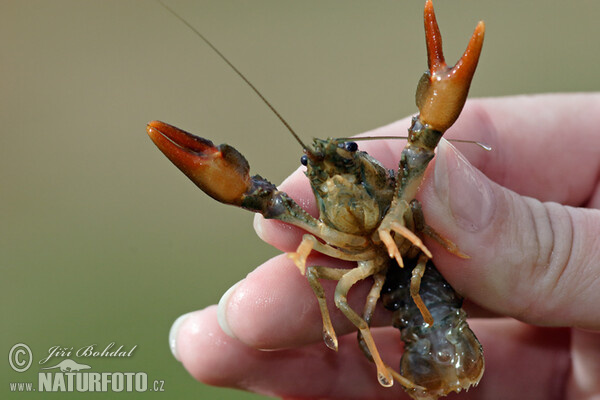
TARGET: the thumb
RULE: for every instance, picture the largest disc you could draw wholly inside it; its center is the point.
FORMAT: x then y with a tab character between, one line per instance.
532	260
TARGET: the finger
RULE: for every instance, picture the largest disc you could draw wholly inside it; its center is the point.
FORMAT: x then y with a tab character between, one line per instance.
538	262
513	351
543	146
585	365
507	249
312	371
274	306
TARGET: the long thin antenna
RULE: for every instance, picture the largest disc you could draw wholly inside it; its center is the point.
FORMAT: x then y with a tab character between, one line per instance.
197	32
354	139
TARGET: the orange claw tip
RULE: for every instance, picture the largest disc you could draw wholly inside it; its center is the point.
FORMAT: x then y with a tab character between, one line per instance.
465	67
179	137
435	54
433	38
220	171
442	91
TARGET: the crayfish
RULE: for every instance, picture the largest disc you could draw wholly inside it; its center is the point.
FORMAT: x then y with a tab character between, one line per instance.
367	215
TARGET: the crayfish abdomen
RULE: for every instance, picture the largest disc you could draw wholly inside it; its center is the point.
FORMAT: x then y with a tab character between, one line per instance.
443	357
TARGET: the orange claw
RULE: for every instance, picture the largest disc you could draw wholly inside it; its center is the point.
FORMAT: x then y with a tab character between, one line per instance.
220	171
442	91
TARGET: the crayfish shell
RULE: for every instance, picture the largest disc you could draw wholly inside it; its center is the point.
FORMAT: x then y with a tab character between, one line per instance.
445	357
448	360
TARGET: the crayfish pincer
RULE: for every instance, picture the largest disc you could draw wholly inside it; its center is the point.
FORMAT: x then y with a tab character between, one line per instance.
367	215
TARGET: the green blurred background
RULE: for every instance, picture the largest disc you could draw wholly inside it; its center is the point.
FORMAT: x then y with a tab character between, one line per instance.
102	239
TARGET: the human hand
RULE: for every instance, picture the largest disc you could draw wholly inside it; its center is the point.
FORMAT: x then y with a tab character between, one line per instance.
531	224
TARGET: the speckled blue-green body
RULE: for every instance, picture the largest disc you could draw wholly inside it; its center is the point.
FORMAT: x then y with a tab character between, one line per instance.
441	357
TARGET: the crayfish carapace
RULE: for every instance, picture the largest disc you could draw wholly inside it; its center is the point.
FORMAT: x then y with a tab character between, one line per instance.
369	215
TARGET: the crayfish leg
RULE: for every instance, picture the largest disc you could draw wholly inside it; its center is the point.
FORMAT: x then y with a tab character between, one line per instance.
407	383
442	91
385	373
370	304
394	222
310	243
364	270
446	243
313	274
302	252
411	236
415	285
421	226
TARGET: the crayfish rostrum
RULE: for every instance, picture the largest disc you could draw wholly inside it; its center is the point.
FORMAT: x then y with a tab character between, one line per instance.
368	215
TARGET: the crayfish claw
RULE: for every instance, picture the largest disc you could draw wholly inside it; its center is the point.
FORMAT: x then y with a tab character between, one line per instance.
433	40
442	91
392	247
411	237
390	244
220	171
465	67
391	223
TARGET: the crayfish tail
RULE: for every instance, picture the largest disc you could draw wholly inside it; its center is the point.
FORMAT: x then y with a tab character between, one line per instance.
443	357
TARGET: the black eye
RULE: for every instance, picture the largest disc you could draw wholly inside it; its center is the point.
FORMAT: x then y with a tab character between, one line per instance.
351	146
304	160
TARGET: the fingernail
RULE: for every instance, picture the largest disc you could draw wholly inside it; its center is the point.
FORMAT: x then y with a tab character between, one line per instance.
222	310
465	190
173	334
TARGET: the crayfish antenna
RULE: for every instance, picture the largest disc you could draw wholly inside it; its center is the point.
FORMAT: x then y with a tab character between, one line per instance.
442	91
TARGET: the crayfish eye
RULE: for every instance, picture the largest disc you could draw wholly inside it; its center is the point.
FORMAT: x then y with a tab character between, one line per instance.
304	160
351	146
